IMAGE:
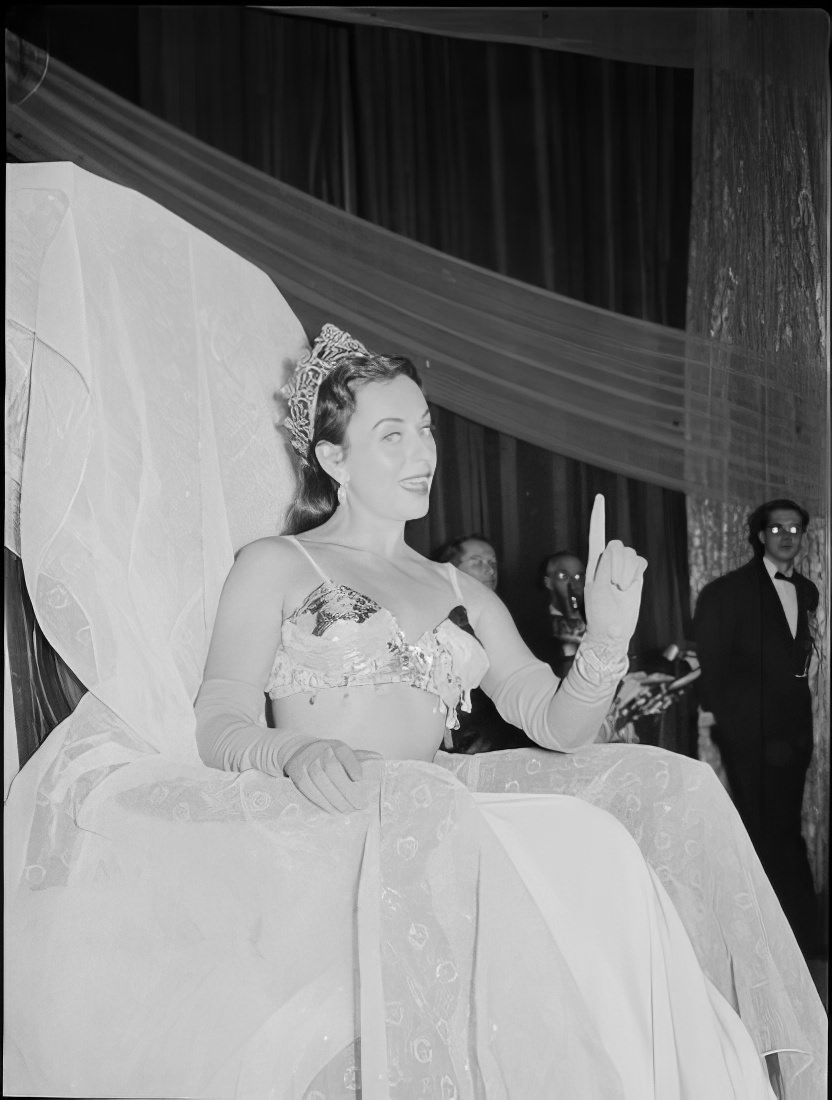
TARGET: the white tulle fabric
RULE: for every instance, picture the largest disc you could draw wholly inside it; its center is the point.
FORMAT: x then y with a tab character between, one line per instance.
177	931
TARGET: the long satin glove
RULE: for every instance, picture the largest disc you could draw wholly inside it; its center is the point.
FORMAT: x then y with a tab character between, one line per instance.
231	734
563	714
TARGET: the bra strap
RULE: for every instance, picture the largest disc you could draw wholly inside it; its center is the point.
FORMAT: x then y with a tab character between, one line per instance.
452	571
306	553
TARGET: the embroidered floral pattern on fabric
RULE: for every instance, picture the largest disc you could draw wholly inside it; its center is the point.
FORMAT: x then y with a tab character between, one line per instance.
691	835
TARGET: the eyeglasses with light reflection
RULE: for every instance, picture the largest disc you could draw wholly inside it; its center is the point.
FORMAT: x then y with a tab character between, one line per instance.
783	529
562	575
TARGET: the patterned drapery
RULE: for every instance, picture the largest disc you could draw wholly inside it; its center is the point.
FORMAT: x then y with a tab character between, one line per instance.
758	279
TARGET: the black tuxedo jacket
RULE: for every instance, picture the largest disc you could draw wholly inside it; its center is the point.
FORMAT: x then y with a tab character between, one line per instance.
752	675
752	669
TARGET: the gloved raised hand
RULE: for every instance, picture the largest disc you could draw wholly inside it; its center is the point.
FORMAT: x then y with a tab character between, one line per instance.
614	579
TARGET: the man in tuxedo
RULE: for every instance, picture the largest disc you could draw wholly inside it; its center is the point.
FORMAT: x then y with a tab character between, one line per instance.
753	640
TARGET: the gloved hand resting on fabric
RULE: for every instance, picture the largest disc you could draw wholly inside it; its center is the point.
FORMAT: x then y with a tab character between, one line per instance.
330	774
231	736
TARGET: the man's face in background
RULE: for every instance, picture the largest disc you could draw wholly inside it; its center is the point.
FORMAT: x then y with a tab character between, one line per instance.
565	578
479	560
782	536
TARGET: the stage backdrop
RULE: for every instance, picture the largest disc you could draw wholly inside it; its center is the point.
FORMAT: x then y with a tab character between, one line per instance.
775	399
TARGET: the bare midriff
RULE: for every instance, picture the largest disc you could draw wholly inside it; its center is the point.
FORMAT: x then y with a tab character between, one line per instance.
395	720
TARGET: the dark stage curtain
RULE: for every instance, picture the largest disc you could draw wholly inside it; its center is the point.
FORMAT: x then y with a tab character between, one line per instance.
563	171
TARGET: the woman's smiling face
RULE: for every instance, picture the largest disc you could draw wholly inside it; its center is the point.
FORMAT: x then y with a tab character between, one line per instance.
390	454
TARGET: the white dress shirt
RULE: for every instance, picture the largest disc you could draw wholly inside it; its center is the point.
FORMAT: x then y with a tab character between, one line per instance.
786	591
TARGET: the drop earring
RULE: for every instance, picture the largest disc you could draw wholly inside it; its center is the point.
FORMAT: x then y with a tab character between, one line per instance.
342	493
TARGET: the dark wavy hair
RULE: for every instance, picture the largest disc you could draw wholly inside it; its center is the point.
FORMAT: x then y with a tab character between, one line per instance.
317	493
760	516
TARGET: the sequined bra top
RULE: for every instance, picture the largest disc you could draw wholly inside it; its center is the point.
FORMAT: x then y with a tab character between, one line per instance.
341	638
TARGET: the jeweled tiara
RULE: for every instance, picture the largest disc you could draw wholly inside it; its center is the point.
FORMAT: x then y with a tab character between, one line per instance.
330	348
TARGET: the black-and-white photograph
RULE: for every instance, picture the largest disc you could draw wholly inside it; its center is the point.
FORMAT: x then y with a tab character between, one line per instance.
417	553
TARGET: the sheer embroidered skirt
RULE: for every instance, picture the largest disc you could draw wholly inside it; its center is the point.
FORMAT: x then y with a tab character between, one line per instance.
183	932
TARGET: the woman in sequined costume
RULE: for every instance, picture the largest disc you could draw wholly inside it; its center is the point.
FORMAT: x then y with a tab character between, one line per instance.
366	650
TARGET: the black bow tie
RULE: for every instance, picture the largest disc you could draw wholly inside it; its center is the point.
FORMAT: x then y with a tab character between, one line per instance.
778	576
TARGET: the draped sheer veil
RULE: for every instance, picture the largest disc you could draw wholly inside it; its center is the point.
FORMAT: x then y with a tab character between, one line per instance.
192	932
